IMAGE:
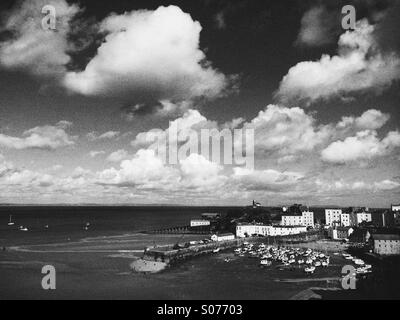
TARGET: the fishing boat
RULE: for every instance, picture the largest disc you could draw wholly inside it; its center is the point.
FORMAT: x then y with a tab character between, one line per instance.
309	270
10	222
216	250
359	262
266	262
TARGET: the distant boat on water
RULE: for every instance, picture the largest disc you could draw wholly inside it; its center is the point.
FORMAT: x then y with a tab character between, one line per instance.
87	225
10	222
22	228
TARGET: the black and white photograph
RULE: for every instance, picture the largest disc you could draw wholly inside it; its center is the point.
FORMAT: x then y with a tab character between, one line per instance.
199	150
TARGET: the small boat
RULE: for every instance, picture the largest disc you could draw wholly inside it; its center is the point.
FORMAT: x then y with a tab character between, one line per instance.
87	225
324	263
301	261
216	250
317	263
10	223
359	262
266	262
309	269
227	260
22	228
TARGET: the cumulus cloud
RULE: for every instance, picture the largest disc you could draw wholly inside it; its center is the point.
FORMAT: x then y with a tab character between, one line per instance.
144	170
42	137
30	47
360	65
96	153
371	119
269	179
355	186
365	145
197	172
93	136
286	130
149	54
118	156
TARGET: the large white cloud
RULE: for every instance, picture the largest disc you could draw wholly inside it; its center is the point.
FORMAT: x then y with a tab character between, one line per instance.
286	130
360	65
371	119
269	179
365	145
41	52
42	137
149	53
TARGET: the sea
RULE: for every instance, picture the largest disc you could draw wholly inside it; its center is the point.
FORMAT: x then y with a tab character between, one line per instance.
89	263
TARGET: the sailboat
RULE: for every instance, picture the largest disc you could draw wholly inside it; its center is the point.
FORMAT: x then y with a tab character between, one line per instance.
10	223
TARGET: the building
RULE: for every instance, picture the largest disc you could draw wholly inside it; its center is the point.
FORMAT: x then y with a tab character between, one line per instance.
348	219
340	233
223	237
199	223
332	216
363	217
387	219
396	207
279	230
305	219
386	244
308	218
244	230
247	230
211	216
291	220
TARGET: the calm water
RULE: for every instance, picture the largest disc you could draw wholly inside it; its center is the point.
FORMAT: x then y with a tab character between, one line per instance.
102	275
70	221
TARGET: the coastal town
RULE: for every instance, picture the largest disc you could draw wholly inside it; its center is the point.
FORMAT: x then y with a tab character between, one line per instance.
294	238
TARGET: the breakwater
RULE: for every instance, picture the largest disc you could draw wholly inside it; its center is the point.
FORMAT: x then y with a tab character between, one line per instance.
179	230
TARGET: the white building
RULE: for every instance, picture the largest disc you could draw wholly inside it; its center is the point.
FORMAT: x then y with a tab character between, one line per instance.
306	219
332	216
363	217
386	244
286	230
395	207
345	220
223	237
199	223
292	220
247	230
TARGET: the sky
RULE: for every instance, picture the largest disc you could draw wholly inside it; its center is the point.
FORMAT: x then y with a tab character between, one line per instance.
77	101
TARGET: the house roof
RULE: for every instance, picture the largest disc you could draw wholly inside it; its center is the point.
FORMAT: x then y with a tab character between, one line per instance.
386	236
225	234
